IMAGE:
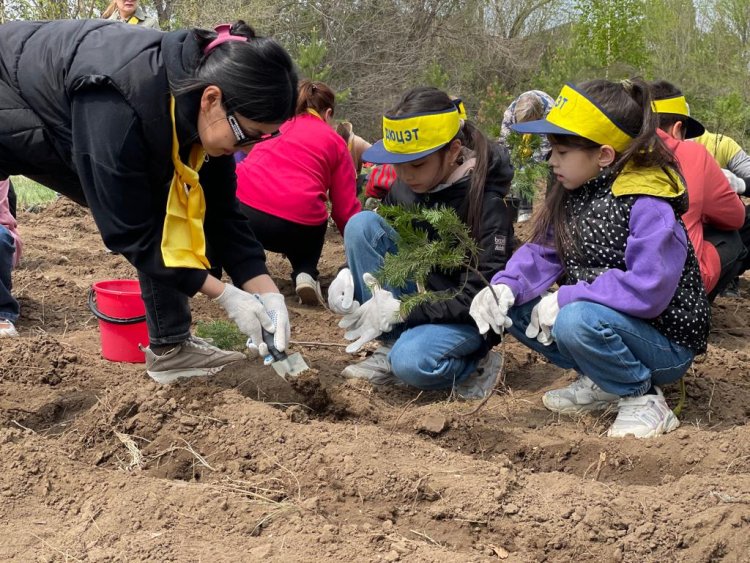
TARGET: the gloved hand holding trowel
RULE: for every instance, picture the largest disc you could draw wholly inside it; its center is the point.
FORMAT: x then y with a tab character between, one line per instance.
275	337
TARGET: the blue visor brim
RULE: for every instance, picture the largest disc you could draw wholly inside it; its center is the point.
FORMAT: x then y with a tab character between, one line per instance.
377	154
541	127
693	128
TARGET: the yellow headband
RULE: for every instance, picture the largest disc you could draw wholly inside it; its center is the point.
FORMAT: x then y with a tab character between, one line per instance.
676	105
415	134
576	113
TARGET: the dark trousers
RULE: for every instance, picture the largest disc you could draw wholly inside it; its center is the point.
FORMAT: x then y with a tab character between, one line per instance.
302	244
732	254
745	236
168	315
8	305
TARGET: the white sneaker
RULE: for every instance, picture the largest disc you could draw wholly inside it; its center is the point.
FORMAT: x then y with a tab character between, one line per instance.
643	417
523	216
7	329
480	383
376	368
582	395
308	289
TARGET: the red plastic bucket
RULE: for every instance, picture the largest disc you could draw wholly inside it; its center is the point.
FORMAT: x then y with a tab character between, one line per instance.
122	319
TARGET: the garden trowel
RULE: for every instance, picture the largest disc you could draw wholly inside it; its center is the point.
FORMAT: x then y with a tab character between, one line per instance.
282	363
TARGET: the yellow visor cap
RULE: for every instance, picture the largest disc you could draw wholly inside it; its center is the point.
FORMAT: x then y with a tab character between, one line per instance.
677	105
575	114
411	137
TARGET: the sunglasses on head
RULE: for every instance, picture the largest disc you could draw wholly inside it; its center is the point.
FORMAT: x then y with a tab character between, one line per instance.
243	139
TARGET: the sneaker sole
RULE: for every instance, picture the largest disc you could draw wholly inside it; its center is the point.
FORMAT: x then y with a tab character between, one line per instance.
671	423
307	295
577	409
167	377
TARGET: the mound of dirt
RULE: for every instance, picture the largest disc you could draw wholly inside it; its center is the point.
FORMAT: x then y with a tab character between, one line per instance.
99	463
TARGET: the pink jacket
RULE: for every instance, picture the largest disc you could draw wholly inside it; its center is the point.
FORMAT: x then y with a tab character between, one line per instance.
293	175
8	221
712	202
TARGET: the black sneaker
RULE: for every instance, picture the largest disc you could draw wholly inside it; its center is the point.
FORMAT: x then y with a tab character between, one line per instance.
732	290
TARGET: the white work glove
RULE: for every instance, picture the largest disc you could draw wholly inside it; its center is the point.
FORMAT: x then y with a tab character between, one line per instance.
341	294
543	317
276	309
735	182
377	315
248	313
489	308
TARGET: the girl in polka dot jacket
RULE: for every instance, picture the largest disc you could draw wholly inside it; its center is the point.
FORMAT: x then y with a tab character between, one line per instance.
630	313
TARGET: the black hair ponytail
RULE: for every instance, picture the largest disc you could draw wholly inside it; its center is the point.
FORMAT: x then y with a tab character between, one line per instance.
257	77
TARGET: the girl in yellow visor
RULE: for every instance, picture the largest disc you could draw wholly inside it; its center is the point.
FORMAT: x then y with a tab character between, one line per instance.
629	312
441	160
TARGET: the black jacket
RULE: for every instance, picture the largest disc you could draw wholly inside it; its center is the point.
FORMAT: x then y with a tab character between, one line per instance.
85	108
495	241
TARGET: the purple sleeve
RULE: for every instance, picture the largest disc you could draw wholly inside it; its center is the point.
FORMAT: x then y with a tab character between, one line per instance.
654	259
531	270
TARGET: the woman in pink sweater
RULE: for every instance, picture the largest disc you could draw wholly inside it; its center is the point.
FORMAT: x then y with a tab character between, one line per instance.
284	184
10	252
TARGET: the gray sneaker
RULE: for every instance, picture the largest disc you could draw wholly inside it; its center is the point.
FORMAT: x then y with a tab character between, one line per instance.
481	383
376	368
192	358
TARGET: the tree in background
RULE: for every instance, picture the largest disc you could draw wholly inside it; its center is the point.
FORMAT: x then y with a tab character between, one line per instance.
370	51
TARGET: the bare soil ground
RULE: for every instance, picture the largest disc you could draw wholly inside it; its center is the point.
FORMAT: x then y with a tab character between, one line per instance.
98	463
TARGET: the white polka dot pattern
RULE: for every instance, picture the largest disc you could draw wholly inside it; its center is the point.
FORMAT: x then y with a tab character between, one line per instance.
600	224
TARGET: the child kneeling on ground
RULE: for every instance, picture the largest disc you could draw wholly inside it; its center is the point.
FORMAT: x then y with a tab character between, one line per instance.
440	161
631	312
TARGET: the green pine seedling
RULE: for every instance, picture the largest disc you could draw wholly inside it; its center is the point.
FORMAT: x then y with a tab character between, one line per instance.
527	173
223	334
450	248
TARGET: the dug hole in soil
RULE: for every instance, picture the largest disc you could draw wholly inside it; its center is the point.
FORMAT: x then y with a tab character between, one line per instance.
98	463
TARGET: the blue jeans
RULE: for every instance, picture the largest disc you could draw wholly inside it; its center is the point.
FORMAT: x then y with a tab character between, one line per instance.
9	308
429	356
168	315
621	354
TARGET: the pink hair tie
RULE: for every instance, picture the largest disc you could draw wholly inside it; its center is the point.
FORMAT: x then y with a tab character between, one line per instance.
223	34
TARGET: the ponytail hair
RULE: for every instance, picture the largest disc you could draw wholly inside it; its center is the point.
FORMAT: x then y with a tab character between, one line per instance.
628	105
109	10
256	77
316	96
426	99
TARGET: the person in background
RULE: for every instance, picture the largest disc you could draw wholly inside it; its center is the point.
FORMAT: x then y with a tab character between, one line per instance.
630	312
441	161
283	187
128	11
140	126
735	163
529	106
10	254
356	144
379	182
715	213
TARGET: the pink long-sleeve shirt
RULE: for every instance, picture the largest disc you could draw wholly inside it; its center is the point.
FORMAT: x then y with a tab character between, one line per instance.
8	221
293	175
